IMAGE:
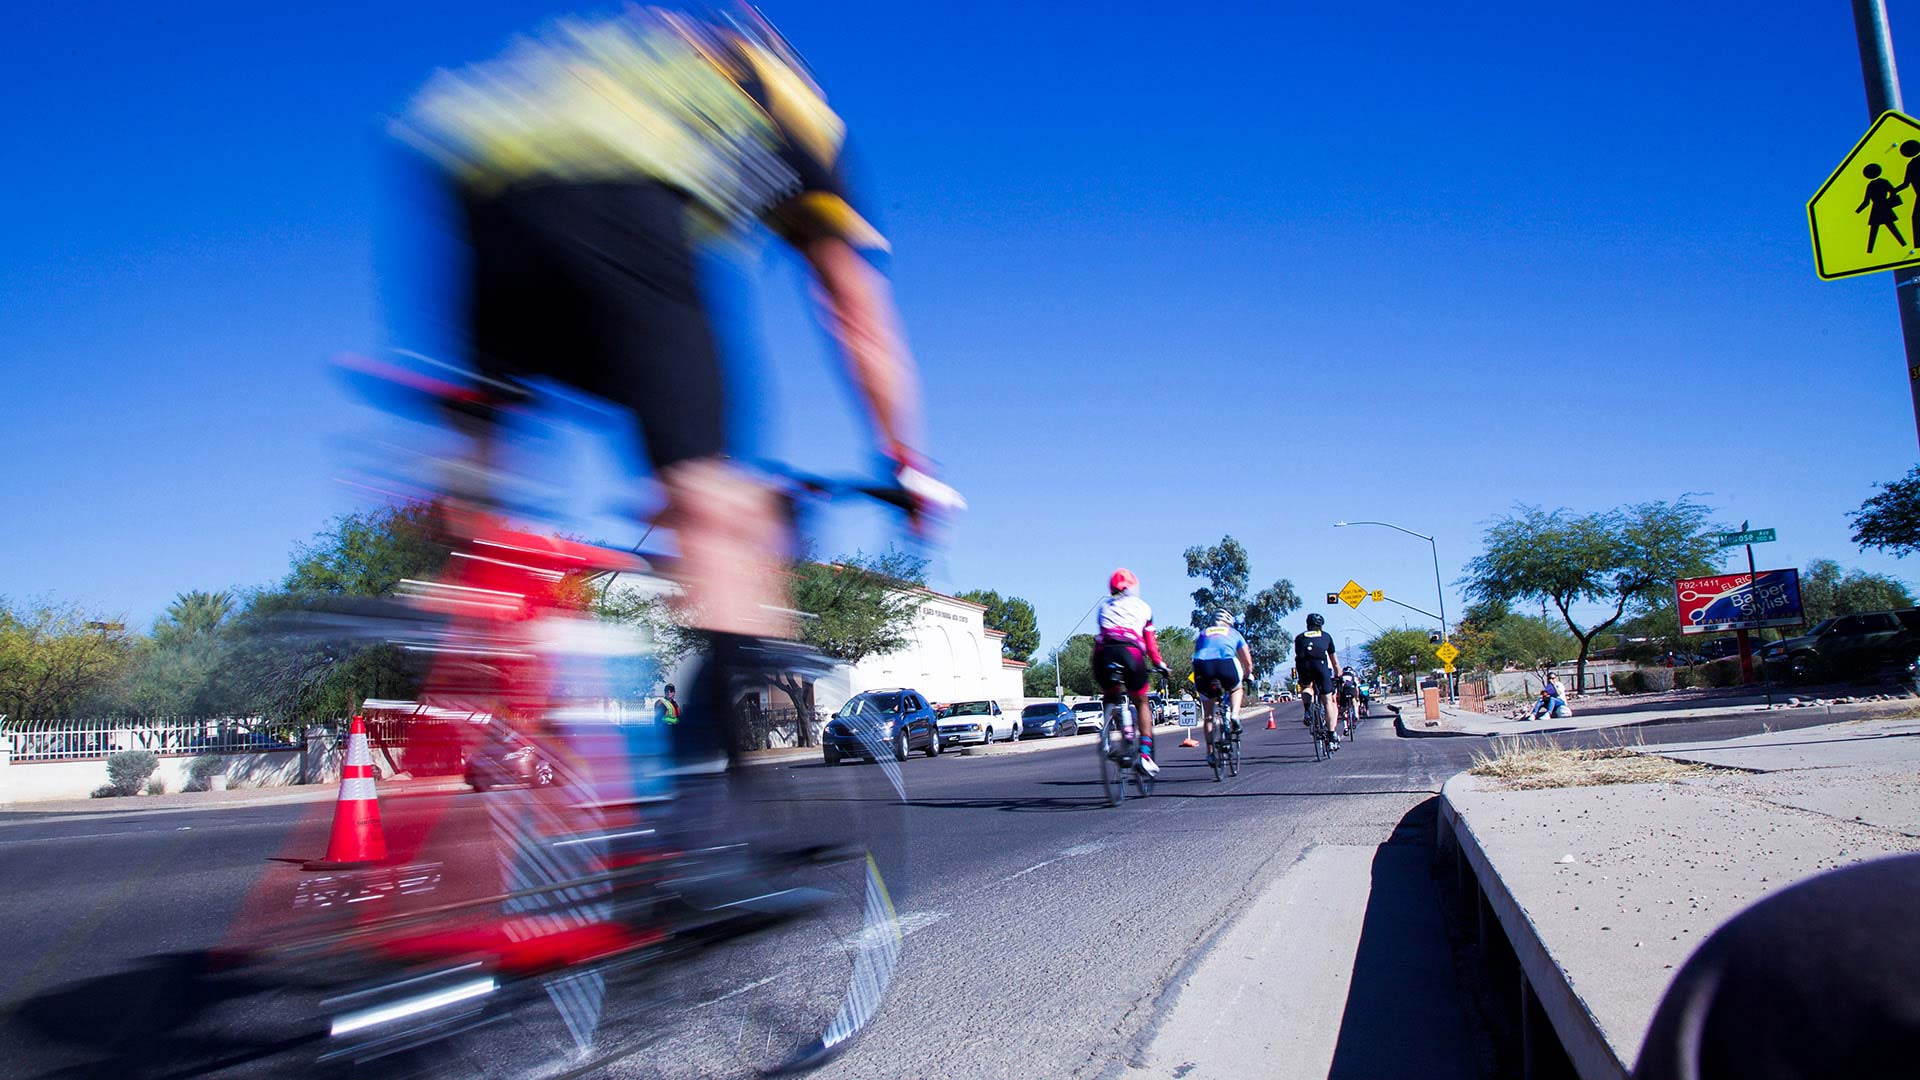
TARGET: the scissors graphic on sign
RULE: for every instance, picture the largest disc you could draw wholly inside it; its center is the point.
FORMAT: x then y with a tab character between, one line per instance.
1688	596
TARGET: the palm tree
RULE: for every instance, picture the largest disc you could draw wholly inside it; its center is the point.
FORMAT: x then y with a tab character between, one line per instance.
199	613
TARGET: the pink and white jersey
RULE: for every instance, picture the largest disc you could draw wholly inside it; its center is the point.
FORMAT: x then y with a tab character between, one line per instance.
1125	618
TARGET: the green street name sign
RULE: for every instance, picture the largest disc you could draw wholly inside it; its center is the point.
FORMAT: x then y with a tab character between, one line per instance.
1750	536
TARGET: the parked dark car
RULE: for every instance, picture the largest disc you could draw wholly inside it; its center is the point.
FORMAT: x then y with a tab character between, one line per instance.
897	721
1050	719
507	761
1847	646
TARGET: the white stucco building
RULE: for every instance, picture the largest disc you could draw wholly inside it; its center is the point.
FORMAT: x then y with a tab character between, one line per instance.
953	657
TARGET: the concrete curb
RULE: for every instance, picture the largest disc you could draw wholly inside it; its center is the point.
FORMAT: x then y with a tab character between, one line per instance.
1856	710
1545	985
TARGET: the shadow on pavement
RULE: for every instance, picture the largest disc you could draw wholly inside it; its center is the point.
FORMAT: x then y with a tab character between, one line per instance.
1403	1015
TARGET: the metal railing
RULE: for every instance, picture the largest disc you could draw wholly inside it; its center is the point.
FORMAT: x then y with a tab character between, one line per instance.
90	739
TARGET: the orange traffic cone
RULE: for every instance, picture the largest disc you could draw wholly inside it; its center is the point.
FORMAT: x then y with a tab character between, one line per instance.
1188	741
357	838
1270	724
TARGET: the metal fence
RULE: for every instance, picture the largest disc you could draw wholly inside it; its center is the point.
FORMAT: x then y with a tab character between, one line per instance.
82	740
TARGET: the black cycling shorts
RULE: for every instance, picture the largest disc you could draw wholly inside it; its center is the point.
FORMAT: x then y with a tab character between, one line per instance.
1130	659
594	285
1227	671
1318	680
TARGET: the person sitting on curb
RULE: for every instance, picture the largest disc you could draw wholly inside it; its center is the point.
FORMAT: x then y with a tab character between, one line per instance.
1551	703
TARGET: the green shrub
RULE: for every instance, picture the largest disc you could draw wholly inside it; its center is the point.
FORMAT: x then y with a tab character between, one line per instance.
1685	678
1721	673
1656	679
107	791
156	786
1625	683
128	770
202	770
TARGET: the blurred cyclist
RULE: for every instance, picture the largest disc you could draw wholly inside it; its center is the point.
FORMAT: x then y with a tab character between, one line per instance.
1347	693
589	162
1318	669
1220	654
1123	635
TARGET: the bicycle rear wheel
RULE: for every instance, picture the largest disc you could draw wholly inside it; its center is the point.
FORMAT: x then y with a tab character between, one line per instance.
1233	761
1108	747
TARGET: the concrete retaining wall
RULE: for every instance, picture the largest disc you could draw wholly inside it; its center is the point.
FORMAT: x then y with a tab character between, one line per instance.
42	780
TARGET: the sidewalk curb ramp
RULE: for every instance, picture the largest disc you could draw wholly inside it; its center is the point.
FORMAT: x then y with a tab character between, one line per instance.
1549	1007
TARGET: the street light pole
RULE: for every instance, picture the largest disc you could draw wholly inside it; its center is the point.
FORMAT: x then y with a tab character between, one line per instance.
1882	80
1439	590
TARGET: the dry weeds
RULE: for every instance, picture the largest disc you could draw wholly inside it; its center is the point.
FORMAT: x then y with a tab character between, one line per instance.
1524	767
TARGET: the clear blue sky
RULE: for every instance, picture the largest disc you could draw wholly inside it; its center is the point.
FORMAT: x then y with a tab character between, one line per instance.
1168	278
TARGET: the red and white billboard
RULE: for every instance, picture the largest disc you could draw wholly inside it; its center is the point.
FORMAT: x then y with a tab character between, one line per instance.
1729	602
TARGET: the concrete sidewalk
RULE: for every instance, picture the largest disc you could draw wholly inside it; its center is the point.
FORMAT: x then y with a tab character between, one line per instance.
1603	892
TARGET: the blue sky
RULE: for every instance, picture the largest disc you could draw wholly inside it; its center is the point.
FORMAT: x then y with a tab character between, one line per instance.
1169	278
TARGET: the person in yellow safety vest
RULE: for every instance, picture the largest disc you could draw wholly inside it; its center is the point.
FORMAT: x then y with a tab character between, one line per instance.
667	709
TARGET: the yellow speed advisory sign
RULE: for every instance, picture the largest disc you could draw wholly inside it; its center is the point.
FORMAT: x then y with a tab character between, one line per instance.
1863	218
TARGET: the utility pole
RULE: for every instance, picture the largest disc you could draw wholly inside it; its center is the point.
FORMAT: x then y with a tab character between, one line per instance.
1883	94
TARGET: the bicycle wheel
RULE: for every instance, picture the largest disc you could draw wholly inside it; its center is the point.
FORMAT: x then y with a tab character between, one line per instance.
1319	730
1108	746
1217	748
1142	781
1233	760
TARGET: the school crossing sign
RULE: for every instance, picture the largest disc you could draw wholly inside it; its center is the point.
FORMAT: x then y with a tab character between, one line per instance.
1865	217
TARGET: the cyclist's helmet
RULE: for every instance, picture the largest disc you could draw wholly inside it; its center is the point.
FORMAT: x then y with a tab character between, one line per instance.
1122	581
1223	617
1316	620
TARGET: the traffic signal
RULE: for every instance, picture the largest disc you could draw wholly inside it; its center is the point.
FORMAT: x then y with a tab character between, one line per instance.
1433	637
1333	598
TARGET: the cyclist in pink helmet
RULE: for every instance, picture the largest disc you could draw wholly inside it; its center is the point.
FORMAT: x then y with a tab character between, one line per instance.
1123	636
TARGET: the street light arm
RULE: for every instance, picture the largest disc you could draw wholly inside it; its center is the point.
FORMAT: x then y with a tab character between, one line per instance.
1410	607
1384	525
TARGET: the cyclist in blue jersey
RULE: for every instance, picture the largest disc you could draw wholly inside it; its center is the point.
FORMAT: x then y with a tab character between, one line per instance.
1221	654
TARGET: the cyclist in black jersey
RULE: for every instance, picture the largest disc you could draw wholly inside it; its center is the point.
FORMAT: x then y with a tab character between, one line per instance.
1317	668
590	161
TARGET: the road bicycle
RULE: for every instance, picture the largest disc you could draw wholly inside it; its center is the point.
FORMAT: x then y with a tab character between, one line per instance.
1349	717
1323	739
653	904
1224	753
1118	744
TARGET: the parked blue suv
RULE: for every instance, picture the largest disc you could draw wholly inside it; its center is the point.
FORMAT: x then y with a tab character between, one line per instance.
874	722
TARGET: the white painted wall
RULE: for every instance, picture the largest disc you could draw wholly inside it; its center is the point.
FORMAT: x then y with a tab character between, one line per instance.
38	781
953	657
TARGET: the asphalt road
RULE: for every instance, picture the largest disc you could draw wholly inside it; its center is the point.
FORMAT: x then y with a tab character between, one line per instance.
1046	933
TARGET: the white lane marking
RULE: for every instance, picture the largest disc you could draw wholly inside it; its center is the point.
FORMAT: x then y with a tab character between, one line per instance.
1073	852
81	836
910	923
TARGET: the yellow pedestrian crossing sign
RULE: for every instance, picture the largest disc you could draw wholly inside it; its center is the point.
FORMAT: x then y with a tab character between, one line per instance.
1864	218
1353	594
1447	654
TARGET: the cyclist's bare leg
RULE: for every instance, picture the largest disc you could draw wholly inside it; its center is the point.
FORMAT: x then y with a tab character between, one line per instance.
1143	718
730	534
1206	723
